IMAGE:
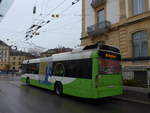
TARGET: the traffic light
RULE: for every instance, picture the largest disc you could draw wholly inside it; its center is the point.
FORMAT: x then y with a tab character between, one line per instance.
55	15
34	9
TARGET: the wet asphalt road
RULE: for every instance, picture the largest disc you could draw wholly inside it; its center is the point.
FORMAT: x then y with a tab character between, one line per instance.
20	98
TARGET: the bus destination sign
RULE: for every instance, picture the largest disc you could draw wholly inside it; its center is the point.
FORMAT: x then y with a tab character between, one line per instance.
109	55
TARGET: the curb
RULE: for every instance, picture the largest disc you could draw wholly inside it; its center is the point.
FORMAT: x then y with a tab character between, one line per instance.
137	89
132	100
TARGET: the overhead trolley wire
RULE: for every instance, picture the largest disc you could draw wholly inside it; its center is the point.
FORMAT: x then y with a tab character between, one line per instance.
42	23
38	24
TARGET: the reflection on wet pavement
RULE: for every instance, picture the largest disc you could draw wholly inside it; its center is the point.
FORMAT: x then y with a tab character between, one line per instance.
19	98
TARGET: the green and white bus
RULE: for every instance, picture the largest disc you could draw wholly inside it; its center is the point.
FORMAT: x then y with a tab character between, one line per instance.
88	72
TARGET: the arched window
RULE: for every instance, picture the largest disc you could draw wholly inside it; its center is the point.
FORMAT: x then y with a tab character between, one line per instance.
140	44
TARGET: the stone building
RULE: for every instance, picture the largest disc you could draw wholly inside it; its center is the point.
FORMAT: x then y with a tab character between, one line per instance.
17	57
4	55
124	24
11	58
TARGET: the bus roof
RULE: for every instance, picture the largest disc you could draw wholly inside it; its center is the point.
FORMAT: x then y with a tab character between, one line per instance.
38	60
83	52
72	55
62	57
102	47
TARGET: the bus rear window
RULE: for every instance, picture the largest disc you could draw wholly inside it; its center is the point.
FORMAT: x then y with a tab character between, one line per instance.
108	66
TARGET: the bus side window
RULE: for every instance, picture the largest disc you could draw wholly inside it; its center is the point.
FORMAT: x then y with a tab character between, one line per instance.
79	68
59	69
31	68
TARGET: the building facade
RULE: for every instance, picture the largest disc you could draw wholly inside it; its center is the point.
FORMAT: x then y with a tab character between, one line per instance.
11	59
124	24
4	55
16	59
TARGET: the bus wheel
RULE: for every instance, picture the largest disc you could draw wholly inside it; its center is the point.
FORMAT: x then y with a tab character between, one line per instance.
28	81
58	88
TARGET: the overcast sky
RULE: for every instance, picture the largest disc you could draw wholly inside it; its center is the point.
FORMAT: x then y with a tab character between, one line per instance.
62	31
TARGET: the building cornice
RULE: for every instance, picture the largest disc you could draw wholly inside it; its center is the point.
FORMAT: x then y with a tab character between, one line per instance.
84	37
126	22
131	20
134	19
136	59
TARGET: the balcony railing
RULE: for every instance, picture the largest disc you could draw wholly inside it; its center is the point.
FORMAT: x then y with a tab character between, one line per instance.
96	3
99	28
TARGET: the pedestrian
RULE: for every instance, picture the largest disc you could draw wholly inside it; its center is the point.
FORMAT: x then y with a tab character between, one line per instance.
13	72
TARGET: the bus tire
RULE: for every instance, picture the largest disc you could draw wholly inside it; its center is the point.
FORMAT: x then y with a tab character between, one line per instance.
58	88
28	81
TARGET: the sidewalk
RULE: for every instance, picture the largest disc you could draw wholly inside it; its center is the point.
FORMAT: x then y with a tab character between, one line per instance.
135	94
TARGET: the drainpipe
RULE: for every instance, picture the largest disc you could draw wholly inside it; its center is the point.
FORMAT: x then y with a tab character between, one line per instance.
148	81
148	78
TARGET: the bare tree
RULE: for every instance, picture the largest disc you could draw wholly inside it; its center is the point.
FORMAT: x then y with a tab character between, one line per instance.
35	51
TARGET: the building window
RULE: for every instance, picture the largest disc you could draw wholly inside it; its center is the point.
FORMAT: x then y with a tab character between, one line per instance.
140	44
138	6
101	16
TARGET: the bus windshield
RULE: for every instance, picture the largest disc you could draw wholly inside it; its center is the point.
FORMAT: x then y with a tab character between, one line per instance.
109	63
